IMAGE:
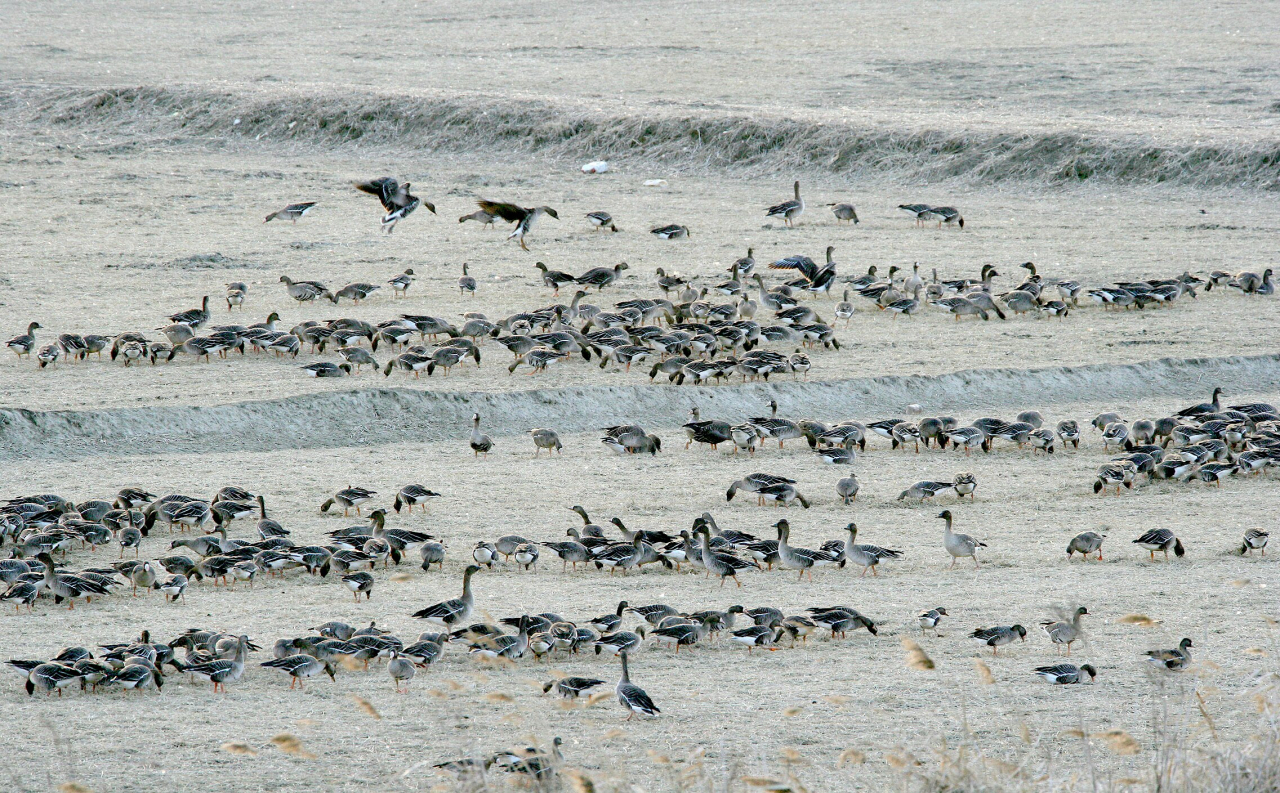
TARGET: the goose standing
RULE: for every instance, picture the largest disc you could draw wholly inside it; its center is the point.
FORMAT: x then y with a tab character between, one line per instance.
223	671
845	212
959	545
631	696
456	611
24	343
480	443
847	488
1064	631
1161	540
466	283
788	210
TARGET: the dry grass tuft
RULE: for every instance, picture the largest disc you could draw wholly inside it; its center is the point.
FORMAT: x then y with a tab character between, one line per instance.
238	747
73	787
794	710
1119	741
366	706
498	697
291	745
614	733
1141	620
984	672
400	578
851	757
917	658
578	781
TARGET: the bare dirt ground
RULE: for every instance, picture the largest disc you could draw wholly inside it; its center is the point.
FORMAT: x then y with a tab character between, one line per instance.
109	229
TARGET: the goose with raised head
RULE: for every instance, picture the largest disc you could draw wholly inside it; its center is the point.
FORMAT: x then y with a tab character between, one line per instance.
630	696
959	545
1063	631
788	210
480	443
456	611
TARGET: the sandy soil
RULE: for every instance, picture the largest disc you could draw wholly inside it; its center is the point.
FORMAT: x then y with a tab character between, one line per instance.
109	229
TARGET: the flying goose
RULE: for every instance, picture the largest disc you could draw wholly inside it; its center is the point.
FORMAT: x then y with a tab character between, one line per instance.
523	217
395	198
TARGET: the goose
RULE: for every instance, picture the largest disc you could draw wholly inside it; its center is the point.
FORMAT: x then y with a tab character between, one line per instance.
782	495
1069	432
844	212
835	455
999	636
801	559
396	199
1161	540
480	216
401	670
908	305
924	489
915	210
1175	660
307	291
619	642
222	671
572	687
754	483
930	618
632	697
865	556
480	443
50	677
757	636
847	488
411	496
356	291
24	343
300	667
601	220
722	564
485	553
947	215
845	309
842	619
960	307
359	583
1085	543
68	586
711	432
545	439
175	588
600	277
781	430
453	612
959	545
523	217
400	283
671	232
349	498
48	355
1214	405
904	432
788	210
467	283
1114	474
193	317
1064	632
1254	540
1066	674
326	369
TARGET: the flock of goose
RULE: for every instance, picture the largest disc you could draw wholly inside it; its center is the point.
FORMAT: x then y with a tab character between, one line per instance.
690	333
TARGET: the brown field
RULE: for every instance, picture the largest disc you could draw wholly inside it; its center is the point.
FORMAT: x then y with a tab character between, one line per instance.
122	207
